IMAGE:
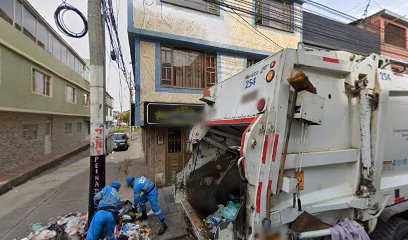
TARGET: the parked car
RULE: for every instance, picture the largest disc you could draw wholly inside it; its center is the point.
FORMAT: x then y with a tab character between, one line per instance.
121	141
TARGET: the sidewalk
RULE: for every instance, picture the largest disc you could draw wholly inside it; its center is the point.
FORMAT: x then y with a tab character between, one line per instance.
134	165
21	174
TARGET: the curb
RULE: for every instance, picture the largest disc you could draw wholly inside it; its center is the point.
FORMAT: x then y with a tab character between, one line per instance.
24	177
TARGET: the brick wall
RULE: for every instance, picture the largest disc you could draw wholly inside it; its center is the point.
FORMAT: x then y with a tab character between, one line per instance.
23	136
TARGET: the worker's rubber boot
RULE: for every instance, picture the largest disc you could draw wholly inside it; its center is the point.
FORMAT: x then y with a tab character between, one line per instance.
162	229
143	217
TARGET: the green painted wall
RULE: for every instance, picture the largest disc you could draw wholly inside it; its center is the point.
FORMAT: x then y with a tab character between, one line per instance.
18	55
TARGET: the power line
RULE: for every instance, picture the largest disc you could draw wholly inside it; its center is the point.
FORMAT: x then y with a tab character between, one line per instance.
247	8
259	32
112	26
366	9
275	16
352	18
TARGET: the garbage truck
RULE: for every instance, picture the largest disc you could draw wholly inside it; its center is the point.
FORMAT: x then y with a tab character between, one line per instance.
302	139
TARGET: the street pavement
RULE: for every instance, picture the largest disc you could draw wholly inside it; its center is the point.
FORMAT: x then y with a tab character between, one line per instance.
64	189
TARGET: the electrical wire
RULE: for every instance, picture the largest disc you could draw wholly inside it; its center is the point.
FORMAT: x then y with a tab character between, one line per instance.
253	9
276	16
112	27
366	9
59	20
352	18
259	32
248	10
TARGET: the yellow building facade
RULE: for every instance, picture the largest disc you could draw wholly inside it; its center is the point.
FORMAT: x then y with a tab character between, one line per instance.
180	47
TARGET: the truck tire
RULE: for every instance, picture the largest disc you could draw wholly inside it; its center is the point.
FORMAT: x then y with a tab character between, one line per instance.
394	229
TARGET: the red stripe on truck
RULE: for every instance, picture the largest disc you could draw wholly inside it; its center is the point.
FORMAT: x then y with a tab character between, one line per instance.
265	149
330	60
269	185
258	198
230	121
275	147
399	200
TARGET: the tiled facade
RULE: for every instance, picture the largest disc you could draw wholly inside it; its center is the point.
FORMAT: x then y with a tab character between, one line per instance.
24	136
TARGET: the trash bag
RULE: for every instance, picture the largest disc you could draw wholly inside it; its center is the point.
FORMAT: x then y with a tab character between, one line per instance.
36	227
230	211
71	227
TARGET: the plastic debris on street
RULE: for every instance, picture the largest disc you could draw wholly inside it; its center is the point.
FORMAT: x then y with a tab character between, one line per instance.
222	214
73	227
134	231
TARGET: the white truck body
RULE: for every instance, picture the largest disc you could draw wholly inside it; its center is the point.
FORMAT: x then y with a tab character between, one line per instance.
350	140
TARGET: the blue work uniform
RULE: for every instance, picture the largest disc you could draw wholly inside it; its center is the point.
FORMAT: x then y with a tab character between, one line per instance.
109	202
145	190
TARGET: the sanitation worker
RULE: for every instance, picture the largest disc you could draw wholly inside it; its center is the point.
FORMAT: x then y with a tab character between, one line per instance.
145	190
106	216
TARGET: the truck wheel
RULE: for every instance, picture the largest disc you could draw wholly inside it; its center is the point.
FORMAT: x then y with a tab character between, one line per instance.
394	229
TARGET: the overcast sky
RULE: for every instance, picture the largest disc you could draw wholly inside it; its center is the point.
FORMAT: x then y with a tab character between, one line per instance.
47	7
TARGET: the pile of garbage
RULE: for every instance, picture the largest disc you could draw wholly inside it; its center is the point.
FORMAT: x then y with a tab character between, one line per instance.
137	230
223	213
73	226
130	228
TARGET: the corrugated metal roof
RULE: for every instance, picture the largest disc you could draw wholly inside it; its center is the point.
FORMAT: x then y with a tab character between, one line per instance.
322	32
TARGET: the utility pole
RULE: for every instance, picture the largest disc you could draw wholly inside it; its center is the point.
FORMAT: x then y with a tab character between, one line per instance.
97	105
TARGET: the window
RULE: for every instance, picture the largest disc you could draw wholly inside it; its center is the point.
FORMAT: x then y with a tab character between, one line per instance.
6	10
42	35
79	127
71	60
88	127
50	43
41	83
200	5
394	35
166	66
29	24
252	61
56	48
30	131
18	15
86	99
70	94
64	55
275	13
76	65
68	128
184	68
210	69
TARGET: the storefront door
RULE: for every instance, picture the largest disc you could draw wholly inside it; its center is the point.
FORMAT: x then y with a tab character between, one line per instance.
175	153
